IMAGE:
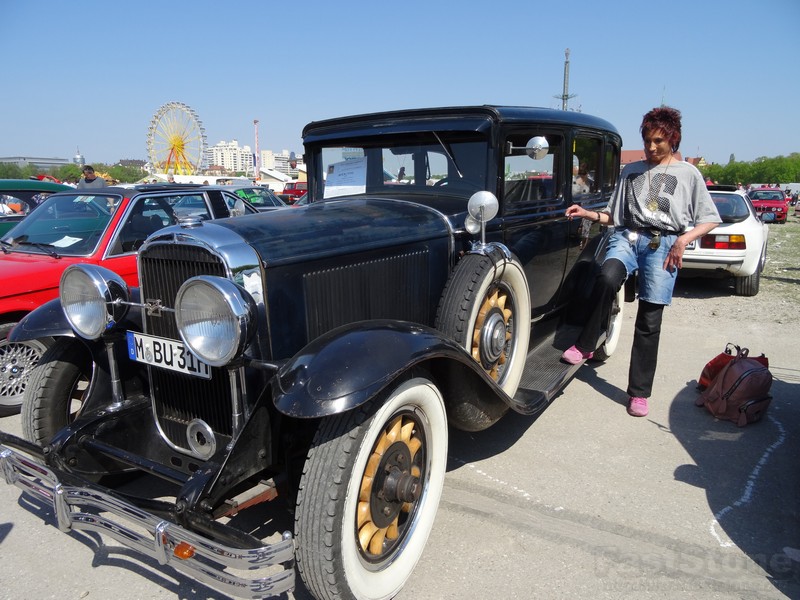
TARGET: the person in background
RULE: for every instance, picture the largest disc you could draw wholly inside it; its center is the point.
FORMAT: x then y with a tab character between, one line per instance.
659	206
170	178
90	179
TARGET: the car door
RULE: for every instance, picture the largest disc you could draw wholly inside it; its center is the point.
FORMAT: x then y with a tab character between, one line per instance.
595	166
534	226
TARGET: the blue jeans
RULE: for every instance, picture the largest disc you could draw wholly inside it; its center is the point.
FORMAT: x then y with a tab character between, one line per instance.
655	283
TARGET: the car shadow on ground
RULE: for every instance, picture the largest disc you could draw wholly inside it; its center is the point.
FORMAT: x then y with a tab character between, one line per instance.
751	481
466	447
703	287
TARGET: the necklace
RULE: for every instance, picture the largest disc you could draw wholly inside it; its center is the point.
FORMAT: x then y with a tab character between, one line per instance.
652	195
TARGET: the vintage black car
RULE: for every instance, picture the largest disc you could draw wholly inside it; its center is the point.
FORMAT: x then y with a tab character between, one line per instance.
318	355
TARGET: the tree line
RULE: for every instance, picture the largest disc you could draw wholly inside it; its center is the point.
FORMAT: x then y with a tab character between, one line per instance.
72	172
780	170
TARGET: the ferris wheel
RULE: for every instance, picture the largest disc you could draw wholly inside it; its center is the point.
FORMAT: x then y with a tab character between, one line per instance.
176	140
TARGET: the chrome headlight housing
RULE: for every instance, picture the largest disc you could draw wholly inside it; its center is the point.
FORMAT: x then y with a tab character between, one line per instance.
216	318
93	299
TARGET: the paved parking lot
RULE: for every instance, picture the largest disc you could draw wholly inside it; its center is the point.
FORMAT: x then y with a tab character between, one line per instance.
583	502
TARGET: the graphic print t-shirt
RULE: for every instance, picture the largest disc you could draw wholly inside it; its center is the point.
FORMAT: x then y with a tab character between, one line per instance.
669	198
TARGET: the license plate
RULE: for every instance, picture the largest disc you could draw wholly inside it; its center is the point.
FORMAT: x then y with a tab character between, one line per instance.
166	354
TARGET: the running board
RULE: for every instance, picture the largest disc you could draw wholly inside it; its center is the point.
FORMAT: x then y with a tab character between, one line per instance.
545	374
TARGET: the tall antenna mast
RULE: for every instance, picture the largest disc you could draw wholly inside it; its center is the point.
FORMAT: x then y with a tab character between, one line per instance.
565	96
258	154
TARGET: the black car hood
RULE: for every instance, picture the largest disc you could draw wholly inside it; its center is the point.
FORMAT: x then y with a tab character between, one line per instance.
336	227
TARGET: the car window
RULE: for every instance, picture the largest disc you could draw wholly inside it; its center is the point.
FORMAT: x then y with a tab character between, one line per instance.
258	197
766	195
586	154
528	180
68	224
432	163
190	205
145	216
20	203
732	208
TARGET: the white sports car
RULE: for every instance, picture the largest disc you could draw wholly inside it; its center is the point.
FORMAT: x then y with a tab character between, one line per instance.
737	247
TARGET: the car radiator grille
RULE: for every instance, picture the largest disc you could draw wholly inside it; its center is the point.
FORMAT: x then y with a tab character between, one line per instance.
179	398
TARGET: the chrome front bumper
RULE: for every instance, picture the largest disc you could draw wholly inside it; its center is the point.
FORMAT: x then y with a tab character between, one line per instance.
84	508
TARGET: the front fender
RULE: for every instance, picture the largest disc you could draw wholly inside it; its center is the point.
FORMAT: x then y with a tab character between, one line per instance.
349	365
49	321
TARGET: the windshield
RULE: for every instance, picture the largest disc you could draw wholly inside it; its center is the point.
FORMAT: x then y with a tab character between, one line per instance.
768	195
68	224
259	197
446	163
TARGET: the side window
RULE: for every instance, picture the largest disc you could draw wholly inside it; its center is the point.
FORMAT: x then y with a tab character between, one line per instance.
146	216
190	205
610	168
530	180
586	171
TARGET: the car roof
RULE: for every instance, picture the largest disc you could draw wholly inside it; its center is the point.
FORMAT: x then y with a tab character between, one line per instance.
232	188
456	118
144	187
32	185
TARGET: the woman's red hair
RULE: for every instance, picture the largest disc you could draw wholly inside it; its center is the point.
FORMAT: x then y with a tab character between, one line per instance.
666	119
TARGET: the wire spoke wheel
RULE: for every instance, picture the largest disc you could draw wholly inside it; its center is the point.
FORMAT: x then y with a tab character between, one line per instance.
176	140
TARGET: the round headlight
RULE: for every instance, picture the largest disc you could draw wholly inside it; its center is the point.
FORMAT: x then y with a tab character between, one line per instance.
215	318
89	296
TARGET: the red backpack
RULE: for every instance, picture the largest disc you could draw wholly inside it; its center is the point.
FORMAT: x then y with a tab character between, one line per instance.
740	391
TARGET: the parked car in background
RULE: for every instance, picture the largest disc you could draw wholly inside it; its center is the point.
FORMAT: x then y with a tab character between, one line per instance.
102	227
736	248
770	200
262	198
18	197
294	189
317	356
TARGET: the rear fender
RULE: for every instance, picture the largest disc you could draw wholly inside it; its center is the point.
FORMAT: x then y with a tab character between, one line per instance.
348	366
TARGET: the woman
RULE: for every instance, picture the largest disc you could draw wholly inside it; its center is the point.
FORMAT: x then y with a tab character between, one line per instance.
655	203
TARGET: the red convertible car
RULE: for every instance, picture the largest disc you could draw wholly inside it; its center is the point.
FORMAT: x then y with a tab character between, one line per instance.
103	227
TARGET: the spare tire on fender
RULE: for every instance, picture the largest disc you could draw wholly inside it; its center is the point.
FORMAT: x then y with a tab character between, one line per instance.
486	308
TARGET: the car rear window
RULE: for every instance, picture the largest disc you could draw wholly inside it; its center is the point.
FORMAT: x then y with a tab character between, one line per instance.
732	208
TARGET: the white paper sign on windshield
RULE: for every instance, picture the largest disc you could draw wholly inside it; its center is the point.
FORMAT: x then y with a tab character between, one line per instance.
346	177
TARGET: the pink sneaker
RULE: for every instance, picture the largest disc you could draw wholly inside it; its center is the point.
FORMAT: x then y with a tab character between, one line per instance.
574	356
637	407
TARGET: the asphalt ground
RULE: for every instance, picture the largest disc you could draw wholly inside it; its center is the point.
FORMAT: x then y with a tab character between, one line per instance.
582	502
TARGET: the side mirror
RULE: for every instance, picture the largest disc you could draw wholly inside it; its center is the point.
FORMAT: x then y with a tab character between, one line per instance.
481	208
537	147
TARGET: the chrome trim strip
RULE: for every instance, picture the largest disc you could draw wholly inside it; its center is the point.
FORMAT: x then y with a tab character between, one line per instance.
153	536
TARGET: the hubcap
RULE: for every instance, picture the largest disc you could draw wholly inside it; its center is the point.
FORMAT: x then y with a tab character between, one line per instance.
390	487
16	361
491	339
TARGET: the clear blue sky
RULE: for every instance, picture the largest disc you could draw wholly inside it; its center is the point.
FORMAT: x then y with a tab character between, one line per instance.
91	74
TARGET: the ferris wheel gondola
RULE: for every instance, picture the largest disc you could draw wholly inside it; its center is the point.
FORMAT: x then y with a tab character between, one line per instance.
176	140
